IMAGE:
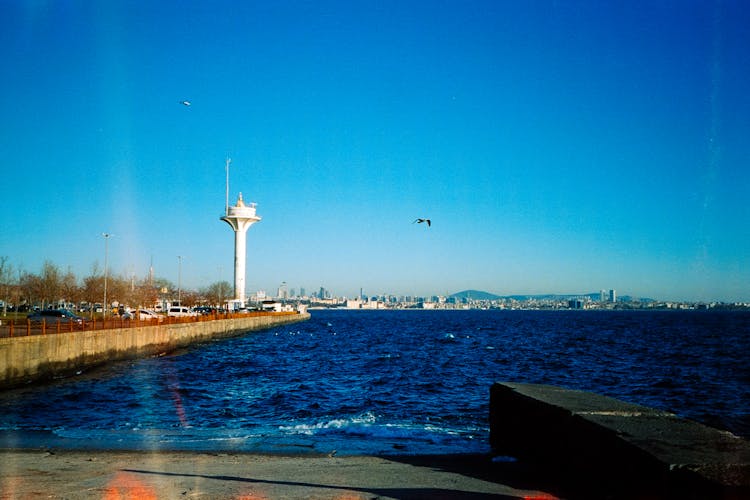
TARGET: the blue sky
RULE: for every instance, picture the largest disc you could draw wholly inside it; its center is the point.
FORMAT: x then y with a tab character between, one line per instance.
558	147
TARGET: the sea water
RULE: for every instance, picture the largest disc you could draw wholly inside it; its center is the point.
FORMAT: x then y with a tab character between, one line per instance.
408	381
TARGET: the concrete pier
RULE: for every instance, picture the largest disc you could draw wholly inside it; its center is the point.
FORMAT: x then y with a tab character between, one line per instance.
612	449
40	357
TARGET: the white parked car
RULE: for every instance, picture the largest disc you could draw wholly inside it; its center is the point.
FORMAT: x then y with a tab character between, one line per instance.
180	312
146	315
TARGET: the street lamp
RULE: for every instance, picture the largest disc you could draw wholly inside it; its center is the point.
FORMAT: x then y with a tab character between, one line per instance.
106	254
179	280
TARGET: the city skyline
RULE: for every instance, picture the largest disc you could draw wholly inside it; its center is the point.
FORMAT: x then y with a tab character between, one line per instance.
555	148
285	291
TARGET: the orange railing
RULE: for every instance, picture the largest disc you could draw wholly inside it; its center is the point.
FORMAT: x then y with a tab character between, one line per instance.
25	327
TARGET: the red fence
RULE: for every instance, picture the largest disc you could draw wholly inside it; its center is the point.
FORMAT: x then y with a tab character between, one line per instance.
24	327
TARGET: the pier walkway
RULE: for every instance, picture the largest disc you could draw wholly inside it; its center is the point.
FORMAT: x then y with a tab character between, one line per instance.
45	353
24	328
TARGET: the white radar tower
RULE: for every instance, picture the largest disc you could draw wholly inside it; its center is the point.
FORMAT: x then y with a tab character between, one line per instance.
240	217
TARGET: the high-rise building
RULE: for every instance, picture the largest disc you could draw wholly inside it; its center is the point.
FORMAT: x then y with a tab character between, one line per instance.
612	296
575	304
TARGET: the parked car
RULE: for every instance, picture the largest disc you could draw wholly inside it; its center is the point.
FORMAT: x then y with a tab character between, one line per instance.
180	312
146	315
54	316
204	310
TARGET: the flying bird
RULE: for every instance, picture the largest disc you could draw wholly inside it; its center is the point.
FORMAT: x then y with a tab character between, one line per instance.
185	103
419	221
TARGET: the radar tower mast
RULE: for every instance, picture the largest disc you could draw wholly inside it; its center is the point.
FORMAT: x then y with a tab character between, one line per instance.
226	204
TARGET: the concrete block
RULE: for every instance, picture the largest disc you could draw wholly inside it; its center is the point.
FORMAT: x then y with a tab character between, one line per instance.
611	442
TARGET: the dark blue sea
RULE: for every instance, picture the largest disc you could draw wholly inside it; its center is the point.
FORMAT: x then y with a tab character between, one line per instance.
363	382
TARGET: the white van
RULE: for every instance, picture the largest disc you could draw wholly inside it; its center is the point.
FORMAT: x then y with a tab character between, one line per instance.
180	312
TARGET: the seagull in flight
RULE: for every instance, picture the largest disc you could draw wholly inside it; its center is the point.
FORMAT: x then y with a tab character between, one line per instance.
185	103
419	221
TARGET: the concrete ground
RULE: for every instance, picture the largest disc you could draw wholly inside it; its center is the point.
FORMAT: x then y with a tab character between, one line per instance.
164	475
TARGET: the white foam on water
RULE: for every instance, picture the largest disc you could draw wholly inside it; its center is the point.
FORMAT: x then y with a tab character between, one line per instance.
336	425
368	426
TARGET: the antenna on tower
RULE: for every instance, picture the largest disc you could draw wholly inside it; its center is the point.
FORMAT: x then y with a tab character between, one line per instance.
226	204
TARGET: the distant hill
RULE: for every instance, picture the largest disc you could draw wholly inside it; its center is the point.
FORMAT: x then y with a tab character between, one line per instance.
475	295
480	295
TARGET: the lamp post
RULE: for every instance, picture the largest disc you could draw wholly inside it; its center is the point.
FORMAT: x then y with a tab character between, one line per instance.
106	254
219	288
179	280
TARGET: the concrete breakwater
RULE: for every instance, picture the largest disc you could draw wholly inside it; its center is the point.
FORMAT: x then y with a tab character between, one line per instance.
614	449
42	357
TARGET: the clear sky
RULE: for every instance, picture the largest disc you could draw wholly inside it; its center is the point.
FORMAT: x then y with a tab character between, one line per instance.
557	146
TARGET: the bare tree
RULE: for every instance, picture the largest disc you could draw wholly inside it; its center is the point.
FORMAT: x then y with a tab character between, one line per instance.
145	294
217	293
30	287
69	288
6	282
118	289
189	298
92	290
50	283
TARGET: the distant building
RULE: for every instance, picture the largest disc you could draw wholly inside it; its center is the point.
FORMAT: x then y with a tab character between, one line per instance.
575	304
612	296
353	304
282	293
271	305
234	304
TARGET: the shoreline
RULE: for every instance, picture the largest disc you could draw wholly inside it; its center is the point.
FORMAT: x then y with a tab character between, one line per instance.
239	441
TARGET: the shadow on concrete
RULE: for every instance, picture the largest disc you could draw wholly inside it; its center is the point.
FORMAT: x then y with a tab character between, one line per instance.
515	474
404	493
554	478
